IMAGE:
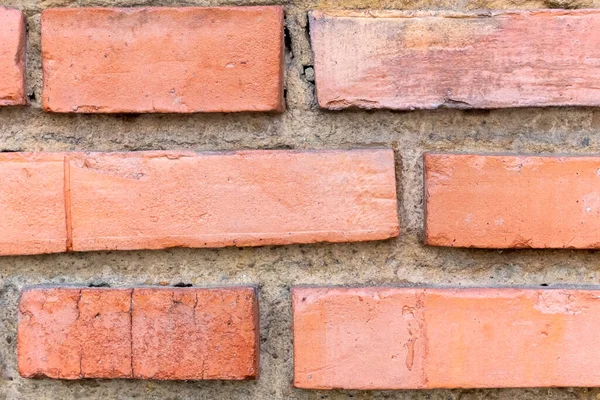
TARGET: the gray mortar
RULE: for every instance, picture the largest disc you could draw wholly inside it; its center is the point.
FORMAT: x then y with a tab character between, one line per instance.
276	269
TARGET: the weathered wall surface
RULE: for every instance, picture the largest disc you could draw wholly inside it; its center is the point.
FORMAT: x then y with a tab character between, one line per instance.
402	261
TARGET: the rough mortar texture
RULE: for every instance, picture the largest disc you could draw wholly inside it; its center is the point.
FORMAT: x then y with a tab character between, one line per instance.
402	261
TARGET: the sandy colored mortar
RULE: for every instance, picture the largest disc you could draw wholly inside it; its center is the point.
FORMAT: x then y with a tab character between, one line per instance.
275	269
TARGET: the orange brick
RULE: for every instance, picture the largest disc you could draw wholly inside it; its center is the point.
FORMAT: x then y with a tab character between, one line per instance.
363	339
105	333
512	201
178	334
32	203
75	333
153	200
13	44
192	334
47	345
408	60
180	60
407	338
481	338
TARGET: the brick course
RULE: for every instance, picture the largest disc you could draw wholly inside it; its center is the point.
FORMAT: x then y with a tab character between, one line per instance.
153	200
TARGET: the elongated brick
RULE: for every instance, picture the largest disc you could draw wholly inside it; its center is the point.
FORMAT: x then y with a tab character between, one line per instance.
407	338
32	203
152	200
192	334
69	333
408	60
179	60
512	201
13	45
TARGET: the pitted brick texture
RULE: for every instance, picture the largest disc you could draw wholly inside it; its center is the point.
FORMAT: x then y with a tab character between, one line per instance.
195	334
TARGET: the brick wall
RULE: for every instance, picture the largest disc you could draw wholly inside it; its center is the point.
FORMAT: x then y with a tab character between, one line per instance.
302	199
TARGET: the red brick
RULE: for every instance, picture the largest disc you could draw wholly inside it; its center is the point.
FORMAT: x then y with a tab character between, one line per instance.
407	338
13	44
153	200
32	203
407	60
139	60
75	333
512	201
192	334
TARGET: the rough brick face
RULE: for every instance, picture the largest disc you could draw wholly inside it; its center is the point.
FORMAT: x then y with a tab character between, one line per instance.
70	333
407	338
195	334
408	60
46	344
32	208
12	57
104	329
177	60
158	200
75	333
512	201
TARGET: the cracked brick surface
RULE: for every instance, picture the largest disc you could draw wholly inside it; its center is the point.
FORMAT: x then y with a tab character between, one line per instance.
75	333
155	333
47	343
